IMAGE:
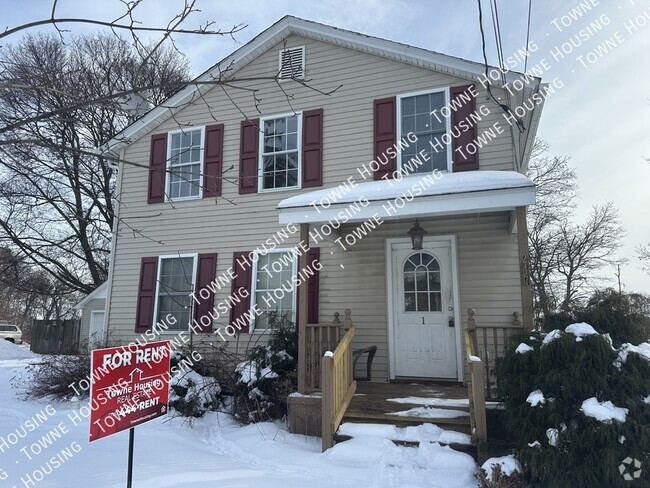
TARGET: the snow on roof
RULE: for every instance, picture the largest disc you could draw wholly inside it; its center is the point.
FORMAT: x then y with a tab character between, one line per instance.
603	411
444	184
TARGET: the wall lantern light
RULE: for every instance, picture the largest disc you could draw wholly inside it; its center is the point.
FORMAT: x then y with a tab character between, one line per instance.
417	235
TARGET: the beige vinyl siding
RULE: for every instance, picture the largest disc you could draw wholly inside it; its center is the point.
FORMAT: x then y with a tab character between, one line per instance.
96	305
487	267
237	222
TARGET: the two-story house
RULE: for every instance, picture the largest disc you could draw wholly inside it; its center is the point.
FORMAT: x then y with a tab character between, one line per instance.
357	144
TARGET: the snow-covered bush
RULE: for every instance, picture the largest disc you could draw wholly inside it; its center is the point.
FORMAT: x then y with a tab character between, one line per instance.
625	317
576	407
268	376
190	393
501	472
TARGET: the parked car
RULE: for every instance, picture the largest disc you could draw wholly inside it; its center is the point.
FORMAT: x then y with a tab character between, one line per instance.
11	333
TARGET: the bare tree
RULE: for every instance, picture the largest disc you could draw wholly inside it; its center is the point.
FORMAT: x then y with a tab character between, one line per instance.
565	256
584	249
643	254
556	190
61	98
56	196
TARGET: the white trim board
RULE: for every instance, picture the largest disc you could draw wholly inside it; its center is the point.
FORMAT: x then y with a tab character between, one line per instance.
425	206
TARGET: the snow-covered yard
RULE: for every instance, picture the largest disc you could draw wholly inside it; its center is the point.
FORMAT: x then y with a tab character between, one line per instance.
47	443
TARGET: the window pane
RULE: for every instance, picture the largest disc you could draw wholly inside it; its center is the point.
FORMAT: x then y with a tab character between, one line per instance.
409	266
408	106
422	123
421	279
176	141
409	302
292	124
422	104
409	282
292	141
423	302
408	124
434	281
436	302
292	178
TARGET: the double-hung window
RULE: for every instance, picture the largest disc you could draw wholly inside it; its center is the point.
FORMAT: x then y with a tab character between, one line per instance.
420	114
176	277
280	142
185	164
273	287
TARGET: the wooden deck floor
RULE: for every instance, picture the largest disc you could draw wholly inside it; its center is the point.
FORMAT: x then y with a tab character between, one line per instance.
372	402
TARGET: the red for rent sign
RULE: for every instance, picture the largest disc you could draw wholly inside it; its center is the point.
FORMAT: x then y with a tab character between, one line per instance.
129	386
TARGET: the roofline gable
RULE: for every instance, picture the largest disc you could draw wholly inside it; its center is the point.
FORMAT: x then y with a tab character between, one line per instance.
283	28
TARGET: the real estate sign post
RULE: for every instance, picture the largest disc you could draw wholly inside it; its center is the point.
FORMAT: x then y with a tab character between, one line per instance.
129	386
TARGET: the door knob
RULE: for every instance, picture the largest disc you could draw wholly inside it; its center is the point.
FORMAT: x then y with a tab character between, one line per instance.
451	322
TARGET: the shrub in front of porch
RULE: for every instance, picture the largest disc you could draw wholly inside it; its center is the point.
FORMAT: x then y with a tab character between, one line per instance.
267	378
576	407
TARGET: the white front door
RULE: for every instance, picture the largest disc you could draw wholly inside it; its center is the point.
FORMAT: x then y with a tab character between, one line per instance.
424	331
96	331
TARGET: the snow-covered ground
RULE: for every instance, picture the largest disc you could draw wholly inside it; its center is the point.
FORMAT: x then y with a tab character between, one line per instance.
47	444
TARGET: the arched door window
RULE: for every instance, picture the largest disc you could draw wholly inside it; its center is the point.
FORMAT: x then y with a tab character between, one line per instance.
422	292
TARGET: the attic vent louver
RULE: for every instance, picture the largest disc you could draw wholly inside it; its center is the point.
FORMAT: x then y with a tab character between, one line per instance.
292	63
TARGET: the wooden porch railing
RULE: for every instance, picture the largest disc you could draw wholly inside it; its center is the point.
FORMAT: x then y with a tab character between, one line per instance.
491	344
476	385
337	386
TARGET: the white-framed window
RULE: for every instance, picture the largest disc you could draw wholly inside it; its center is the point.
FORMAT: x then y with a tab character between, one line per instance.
280	152
273	289
175	282
419	113
184	164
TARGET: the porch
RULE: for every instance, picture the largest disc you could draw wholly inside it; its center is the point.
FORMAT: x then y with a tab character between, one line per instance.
475	254
327	382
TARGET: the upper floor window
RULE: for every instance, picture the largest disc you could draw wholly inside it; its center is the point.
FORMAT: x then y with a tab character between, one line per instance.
280	154
176	276
185	164
273	288
419	113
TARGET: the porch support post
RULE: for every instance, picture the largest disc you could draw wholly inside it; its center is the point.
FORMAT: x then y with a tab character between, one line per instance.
524	270
302	312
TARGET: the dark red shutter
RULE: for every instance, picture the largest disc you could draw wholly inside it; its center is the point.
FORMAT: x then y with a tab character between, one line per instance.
385	134
144	318
157	168
312	148
241	288
248	156
213	160
206	274
463	161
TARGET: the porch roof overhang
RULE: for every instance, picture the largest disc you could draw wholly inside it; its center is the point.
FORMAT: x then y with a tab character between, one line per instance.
428	195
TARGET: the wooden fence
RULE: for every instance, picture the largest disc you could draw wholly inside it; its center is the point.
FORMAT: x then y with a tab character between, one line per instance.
337	387
56	336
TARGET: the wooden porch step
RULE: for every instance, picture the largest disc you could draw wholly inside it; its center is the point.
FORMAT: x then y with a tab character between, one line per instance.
401	420
470	449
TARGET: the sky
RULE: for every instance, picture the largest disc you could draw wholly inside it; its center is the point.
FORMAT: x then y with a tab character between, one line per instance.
596	50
